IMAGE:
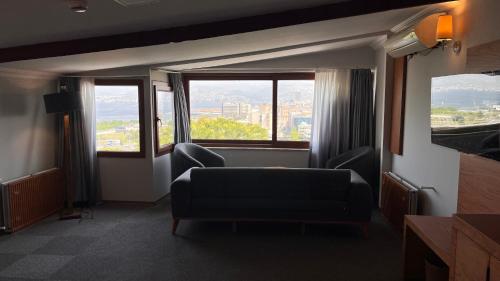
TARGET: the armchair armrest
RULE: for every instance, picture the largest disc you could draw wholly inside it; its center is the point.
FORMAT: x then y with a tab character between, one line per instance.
209	158
180	191
360	198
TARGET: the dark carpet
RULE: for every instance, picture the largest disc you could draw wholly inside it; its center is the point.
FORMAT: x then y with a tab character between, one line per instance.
130	242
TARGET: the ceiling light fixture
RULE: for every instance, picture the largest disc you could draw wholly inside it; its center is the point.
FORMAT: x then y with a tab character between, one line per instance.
77	6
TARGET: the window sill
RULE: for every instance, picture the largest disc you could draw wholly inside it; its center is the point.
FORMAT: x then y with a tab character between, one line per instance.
112	154
284	145
249	148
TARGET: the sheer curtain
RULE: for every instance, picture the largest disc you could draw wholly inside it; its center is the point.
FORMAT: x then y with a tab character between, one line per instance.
83	155
87	92
331	105
182	131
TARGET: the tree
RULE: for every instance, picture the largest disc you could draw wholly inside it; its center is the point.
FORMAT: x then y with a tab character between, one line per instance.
294	135
228	129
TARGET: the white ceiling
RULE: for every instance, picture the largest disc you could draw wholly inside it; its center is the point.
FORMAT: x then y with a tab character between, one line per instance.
240	48
25	22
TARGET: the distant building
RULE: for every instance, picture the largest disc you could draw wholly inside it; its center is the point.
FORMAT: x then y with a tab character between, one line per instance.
238	111
230	110
298	120
304	130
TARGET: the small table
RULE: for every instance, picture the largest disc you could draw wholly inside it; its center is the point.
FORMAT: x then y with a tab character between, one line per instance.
424	235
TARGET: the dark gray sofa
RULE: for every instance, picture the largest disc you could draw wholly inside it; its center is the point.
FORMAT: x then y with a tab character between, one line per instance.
275	194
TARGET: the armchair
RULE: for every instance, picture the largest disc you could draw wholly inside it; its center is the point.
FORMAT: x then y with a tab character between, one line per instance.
189	155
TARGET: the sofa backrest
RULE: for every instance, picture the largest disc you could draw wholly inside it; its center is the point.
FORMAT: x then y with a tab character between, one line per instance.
275	183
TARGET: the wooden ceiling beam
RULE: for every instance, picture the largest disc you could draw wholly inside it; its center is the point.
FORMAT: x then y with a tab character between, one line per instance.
206	30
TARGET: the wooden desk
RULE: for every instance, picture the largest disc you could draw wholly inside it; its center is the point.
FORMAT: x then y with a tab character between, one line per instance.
425	235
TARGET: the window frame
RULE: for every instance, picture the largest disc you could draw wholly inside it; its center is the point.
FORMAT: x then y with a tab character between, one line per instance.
160	87
274	77
142	129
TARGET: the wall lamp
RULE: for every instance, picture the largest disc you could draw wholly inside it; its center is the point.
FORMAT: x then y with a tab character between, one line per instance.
444	33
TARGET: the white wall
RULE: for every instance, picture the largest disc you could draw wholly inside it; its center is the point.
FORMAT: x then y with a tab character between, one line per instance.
383	101
27	134
135	179
360	57
260	157
131	179
425	164
148	179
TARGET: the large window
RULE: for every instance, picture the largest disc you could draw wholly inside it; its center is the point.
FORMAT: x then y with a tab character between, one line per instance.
164	118
119	118
272	110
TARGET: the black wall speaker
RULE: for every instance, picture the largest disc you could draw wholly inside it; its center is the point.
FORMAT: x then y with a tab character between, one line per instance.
62	102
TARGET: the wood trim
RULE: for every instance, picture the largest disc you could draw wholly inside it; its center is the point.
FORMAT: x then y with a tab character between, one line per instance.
142	131
274	77
484	58
250	76
274	112
398	106
159	151
424	236
478	186
205	30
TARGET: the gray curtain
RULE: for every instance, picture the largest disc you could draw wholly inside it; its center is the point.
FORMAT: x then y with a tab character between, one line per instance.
182	131
330	133
83	156
361	108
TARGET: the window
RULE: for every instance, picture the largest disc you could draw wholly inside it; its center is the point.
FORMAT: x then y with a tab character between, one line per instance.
266	110
164	118
295	100
119	118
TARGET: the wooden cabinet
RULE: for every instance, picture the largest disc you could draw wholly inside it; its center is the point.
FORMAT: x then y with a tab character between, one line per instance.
477	248
471	261
494	269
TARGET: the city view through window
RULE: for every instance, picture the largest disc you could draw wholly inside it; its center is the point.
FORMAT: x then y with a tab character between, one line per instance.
243	109
465	100
165	115
117	118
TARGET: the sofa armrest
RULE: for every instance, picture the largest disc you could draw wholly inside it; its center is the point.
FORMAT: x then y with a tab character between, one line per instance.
180	191
360	198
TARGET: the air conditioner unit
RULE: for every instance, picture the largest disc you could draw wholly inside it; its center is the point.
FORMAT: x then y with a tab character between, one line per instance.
414	39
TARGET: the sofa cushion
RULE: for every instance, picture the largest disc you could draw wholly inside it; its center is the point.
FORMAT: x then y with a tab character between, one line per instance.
270	183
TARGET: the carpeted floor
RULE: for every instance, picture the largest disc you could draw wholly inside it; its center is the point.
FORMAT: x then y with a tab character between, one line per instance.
127	242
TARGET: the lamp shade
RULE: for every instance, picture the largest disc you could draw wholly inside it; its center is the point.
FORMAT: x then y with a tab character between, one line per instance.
62	102
444	30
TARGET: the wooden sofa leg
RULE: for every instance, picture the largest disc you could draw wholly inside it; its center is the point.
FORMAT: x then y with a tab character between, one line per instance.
175	223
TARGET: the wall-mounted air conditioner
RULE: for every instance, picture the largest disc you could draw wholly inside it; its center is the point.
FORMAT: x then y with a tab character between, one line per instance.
417	38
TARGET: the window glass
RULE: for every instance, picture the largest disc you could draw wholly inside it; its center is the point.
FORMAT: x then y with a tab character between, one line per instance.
231	109
117	118
165	118
295	100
